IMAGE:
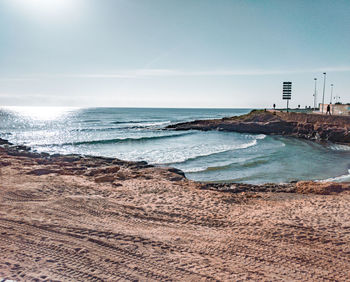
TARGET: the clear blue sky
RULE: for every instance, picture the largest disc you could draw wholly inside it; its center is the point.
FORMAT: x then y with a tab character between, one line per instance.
172	53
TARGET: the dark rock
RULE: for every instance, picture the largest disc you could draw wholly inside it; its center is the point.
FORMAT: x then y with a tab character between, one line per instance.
138	165
22	148
41	171
70	158
177	171
105	178
45	155
176	178
322	188
19	153
241	187
4	142
121	175
111	169
4	163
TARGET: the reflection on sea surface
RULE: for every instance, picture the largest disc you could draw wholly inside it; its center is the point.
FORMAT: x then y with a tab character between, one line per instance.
136	134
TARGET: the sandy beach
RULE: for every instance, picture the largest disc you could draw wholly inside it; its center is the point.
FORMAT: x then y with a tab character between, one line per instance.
68	218
174	140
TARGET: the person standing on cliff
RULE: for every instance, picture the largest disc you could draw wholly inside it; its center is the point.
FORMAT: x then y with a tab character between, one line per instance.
274	106
328	110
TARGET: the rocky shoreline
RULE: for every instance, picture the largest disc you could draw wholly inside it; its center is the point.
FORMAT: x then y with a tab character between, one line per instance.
307	126
113	171
85	218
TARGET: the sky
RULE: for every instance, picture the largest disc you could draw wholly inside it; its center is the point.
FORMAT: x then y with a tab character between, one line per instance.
172	53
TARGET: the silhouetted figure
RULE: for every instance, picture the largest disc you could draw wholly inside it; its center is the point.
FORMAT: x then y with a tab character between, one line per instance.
328	110
274	106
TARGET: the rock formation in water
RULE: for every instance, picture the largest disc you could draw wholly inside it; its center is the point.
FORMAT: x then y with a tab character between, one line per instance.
307	126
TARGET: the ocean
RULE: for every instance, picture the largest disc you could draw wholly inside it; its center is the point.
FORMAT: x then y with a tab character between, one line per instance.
137	134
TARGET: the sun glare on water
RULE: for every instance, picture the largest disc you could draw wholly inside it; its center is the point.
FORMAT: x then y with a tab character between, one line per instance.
42	113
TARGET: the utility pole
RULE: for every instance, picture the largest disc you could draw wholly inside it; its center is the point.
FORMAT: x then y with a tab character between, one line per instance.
315	94
324	89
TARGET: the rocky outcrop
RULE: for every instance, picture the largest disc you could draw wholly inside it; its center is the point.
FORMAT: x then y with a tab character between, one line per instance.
307	126
321	188
99	169
4	142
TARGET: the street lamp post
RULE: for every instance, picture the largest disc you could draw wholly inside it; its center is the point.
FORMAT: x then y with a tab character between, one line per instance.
315	94
331	97
331	93
324	89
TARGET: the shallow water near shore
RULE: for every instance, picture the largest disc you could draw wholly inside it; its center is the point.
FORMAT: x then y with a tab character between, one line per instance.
136	134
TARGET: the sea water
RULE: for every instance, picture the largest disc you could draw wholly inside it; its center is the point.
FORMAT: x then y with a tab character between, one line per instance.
138	134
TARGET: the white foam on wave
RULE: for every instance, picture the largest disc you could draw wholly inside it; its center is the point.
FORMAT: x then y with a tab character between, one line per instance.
340	147
195	169
341	178
154	123
260	136
255	136
194	154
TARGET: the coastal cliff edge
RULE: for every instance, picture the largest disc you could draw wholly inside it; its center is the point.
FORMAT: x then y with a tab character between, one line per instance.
307	126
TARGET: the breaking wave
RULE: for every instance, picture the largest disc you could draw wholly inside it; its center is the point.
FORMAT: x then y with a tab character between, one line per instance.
248	164
340	147
121	140
341	178
217	150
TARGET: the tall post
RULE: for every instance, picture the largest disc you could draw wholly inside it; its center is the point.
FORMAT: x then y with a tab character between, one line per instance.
315	94
287	105
331	93
332	98
324	89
